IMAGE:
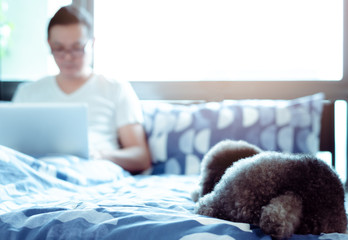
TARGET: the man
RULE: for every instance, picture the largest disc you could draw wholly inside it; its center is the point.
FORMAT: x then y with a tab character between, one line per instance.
115	114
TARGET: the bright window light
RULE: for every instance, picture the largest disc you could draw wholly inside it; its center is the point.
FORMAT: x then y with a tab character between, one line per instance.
341	139
180	40
27	55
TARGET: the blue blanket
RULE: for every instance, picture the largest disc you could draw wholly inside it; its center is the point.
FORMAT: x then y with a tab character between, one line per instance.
65	197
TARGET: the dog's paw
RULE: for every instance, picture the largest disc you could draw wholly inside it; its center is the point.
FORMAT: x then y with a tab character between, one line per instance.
195	195
204	207
204	210
281	217
278	230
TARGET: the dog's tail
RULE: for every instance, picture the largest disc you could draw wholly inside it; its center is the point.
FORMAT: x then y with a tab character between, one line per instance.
282	216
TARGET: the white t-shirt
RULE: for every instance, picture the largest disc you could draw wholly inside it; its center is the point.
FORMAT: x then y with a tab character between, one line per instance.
111	104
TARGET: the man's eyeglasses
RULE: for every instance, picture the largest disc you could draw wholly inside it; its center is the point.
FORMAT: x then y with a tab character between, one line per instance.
75	52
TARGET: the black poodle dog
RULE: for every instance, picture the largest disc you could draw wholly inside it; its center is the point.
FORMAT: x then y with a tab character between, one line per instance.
281	193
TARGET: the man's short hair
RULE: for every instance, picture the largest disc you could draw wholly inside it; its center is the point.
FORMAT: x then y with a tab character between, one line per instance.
71	15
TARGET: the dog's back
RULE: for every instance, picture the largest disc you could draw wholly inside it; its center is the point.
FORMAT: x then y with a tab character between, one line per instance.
303	186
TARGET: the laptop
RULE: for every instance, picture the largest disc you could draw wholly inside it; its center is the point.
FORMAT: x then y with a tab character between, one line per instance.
45	129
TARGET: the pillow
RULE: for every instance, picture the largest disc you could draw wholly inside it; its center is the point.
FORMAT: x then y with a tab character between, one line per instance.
179	135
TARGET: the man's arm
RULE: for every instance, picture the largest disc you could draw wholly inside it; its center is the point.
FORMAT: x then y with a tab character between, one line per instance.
134	155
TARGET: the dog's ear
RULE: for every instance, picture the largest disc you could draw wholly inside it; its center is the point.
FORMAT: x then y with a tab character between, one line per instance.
225	153
219	158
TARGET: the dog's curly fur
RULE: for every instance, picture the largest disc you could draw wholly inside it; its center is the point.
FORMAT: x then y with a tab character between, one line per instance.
281	193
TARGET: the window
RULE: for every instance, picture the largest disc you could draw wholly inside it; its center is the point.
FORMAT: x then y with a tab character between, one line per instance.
190	40
27	56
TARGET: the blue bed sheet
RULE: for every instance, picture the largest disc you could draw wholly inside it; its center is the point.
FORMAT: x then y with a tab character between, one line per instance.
65	197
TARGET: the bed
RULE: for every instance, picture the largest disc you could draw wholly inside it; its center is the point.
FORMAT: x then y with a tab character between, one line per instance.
66	197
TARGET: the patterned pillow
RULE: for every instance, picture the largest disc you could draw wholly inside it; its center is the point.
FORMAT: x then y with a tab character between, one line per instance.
179	135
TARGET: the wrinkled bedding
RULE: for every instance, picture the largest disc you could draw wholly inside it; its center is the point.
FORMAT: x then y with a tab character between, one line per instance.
65	197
